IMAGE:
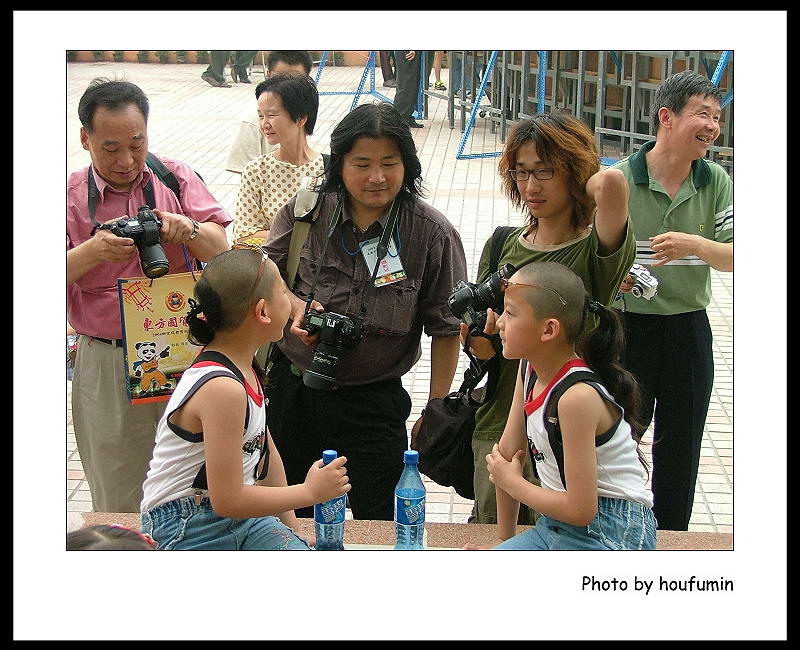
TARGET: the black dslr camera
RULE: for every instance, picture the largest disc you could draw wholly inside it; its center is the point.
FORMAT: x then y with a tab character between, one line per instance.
143	229
336	332
469	301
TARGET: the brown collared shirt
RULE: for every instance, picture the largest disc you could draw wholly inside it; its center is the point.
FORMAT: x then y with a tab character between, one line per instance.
433	259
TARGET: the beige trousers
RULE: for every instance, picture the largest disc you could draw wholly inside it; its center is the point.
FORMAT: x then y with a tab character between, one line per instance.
115	439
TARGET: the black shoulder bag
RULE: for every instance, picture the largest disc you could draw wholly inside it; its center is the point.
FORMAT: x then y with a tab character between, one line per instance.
444	440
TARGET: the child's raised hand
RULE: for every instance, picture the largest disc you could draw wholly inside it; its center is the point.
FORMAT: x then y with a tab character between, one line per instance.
504	472
327	481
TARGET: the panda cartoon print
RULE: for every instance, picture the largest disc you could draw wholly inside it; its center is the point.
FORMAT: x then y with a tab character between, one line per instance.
146	368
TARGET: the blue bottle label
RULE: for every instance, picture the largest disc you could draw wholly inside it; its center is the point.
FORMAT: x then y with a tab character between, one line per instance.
410	511
331	512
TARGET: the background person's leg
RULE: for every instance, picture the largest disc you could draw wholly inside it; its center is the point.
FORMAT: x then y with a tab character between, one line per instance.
219	58
386	68
242	60
680	415
115	439
367	424
407	75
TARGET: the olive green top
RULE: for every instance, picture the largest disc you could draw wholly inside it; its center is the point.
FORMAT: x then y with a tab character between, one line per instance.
601	275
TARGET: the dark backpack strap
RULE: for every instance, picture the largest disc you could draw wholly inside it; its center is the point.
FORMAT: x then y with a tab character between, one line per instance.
200	481
550	415
499	238
165	175
93	193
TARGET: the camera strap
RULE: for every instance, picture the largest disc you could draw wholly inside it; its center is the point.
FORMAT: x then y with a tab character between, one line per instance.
382	250
93	192
337	215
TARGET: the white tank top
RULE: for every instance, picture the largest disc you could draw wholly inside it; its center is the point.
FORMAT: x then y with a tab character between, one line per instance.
179	455
619	473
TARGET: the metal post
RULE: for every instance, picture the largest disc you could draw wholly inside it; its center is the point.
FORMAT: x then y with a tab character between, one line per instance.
541	81
460	155
360	89
601	83
723	63
579	91
322	61
727	99
504	95
634	118
526	77
420	112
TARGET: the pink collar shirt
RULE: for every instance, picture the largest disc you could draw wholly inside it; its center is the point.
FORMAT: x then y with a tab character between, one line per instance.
92	301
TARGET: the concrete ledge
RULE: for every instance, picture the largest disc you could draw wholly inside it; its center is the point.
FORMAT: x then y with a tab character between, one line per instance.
381	533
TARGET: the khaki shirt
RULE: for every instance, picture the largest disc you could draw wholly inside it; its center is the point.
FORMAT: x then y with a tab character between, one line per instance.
433	258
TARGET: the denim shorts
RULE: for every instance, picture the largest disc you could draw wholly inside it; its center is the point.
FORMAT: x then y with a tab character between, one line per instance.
182	525
619	525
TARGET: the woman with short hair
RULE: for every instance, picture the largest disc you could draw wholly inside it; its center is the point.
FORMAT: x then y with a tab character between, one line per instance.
287	113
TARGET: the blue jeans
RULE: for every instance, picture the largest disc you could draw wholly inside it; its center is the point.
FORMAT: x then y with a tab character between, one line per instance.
181	525
619	525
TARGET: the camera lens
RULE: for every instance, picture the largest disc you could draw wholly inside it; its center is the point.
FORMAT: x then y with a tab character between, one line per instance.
322	370
461	298
154	261
636	291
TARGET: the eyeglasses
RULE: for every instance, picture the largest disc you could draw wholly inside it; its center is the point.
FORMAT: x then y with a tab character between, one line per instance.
505	284
544	174
259	249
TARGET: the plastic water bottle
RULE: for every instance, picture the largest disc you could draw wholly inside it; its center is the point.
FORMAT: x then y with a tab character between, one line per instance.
409	506
329	517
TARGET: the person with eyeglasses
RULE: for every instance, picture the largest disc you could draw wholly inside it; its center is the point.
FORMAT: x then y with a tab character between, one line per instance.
577	215
216	480
575	408
249	142
287	110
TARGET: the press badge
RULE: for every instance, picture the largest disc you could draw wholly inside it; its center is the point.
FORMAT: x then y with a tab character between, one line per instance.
391	268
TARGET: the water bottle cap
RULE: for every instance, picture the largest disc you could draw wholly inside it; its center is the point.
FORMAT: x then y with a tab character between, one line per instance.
411	457
328	455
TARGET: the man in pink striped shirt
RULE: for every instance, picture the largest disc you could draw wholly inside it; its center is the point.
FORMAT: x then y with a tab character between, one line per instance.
115	439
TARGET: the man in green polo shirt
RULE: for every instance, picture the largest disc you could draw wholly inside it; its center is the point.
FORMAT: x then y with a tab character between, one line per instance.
681	207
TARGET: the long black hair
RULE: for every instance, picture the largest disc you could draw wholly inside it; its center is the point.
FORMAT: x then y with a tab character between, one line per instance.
602	347
375	121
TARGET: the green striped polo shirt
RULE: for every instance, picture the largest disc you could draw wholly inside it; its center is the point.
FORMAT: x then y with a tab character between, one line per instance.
703	206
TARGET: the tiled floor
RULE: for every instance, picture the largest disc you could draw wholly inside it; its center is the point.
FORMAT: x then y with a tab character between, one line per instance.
194	122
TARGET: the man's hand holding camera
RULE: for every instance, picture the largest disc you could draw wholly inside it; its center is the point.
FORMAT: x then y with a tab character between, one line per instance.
175	228
110	248
481	347
298	316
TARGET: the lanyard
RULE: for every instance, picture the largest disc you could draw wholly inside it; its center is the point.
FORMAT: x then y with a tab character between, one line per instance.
382	250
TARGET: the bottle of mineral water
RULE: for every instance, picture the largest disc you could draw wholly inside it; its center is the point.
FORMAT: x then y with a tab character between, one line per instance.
409	506
329	517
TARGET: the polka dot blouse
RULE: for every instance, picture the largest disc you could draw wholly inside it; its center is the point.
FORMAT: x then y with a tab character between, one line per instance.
267	185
